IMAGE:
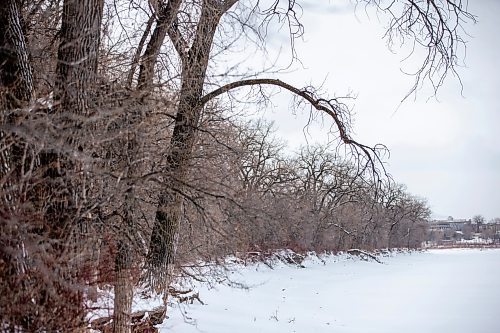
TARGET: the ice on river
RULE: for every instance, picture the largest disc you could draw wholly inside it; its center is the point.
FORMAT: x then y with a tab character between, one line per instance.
435	291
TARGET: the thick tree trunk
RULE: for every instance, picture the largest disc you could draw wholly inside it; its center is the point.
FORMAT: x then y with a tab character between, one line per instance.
75	93
75	90
123	289
78	55
16	74
16	89
161	256
123	285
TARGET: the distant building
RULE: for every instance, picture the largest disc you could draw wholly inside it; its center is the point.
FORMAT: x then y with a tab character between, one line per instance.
449	224
463	231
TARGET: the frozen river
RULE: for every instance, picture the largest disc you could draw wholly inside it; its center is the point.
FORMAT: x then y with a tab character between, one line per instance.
456	291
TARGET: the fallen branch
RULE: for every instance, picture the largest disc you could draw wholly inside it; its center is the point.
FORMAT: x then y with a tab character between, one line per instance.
361	254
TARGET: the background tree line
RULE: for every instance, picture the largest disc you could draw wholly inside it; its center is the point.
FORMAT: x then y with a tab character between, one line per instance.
124	158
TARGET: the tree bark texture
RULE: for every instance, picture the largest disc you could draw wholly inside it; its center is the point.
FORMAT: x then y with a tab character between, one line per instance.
76	70
123	289
75	90
161	254
16	73
127	248
61	192
16	89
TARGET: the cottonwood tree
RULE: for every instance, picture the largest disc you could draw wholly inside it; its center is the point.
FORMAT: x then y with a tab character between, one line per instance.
193	44
436	24
75	90
404	214
478	219
191	31
16	74
67	134
266	178
328	182
260	157
52	194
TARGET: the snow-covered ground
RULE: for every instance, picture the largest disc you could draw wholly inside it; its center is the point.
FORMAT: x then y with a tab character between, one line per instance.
441	291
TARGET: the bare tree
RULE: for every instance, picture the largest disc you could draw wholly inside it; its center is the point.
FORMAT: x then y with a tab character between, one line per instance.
260	158
478	220
86	149
50	179
194	59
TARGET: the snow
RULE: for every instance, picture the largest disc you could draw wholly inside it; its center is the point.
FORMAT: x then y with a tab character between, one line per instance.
476	240
434	291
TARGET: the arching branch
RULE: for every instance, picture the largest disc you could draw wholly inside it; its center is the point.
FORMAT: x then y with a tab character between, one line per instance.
331	107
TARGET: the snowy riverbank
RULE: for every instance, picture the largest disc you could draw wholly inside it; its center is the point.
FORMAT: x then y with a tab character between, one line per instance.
434	291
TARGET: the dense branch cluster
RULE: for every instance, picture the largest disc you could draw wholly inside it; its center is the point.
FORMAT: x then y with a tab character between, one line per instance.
437	26
121	162
309	200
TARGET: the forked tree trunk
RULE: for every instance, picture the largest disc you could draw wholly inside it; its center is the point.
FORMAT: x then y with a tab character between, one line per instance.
123	287
166	15
161	256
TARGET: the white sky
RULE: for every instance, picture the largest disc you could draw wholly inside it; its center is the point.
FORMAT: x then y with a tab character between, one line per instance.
446	149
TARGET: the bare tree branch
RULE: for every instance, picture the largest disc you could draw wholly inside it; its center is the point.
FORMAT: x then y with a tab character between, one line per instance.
331	107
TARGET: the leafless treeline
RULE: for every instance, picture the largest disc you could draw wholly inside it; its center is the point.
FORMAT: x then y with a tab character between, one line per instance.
123	159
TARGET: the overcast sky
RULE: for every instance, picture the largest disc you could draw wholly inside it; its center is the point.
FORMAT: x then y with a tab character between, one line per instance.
445	149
